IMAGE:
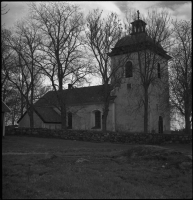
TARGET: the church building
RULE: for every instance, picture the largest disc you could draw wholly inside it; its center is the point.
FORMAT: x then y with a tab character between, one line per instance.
141	64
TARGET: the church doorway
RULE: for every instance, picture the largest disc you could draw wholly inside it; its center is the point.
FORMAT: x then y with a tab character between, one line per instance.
160	125
97	119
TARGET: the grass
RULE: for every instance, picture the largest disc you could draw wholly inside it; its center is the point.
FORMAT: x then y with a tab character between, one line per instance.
42	168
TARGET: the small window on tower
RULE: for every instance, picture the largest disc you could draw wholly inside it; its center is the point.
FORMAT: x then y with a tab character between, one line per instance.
158	70
128	69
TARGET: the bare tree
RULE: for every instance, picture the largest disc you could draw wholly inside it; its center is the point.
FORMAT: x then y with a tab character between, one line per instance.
14	102
101	35
3	10
9	91
6	62
181	71
61	26
26	74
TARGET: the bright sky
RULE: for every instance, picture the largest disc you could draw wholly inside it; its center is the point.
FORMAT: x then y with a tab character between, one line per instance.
178	9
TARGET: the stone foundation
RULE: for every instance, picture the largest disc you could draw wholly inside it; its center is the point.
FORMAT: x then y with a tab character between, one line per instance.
96	136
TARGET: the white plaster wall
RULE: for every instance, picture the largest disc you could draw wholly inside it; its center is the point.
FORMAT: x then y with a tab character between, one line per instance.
128	116
129	108
83	117
51	126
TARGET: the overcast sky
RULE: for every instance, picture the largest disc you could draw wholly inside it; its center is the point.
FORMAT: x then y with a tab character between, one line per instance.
178	9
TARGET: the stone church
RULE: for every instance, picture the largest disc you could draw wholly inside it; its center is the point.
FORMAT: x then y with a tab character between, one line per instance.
126	110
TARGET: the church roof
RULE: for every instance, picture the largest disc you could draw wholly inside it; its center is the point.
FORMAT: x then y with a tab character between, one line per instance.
74	96
4	108
135	39
134	43
46	114
44	107
138	21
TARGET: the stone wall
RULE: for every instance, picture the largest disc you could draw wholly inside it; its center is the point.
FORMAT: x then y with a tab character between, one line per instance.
98	136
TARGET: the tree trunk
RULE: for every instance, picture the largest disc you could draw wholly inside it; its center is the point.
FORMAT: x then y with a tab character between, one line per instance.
146	111
22	103
63	116
13	114
104	118
62	106
31	116
187	106
187	118
32	96
63	110
61	100
4	94
13	117
106	107
31	111
187	123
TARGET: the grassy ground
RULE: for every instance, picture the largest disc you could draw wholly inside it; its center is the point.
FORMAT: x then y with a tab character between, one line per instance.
42	168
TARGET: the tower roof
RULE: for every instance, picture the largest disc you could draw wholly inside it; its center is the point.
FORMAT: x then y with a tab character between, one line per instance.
138	21
138	40
135	43
135	40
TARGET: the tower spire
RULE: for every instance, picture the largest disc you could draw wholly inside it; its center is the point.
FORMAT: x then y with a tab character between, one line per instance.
138	14
138	26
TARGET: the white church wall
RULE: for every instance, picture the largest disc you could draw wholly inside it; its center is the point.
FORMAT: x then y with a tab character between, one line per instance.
128	114
83	117
129	107
51	126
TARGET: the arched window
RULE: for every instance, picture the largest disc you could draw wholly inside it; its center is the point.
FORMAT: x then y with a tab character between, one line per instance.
128	69
97	119
158	70
69	120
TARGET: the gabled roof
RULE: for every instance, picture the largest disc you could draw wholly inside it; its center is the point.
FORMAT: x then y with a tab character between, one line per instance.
44	107
5	108
74	96
46	114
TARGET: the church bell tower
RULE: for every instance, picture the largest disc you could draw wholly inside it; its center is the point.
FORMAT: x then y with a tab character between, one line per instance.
138	26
